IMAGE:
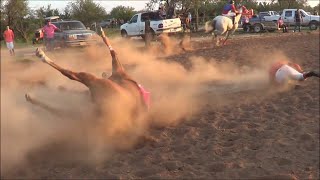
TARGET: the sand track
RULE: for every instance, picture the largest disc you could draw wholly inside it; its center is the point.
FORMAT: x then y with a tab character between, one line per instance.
242	130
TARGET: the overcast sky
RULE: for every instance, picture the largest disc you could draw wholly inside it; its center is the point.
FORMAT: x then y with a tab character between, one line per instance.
109	4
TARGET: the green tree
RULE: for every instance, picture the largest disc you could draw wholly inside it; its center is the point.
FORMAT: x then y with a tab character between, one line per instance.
66	14
122	12
17	15
87	11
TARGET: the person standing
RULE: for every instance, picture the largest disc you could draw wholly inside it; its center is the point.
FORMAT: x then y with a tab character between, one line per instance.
9	37
298	19
48	30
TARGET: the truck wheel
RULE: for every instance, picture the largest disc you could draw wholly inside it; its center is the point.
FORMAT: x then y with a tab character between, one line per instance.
124	34
313	25
257	28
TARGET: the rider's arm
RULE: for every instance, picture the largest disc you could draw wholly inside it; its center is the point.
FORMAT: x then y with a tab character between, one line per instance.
233	8
297	67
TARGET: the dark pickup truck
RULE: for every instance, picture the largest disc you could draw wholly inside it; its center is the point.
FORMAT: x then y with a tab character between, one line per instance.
73	33
257	24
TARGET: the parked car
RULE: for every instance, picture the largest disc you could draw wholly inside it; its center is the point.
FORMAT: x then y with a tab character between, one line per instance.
73	33
105	24
308	20
257	24
136	26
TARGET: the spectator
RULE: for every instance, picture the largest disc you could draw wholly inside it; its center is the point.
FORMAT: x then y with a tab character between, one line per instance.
121	21
298	19
189	17
9	38
162	12
282	25
49	30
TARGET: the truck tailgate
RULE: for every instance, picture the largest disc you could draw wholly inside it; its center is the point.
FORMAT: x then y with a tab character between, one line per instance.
171	23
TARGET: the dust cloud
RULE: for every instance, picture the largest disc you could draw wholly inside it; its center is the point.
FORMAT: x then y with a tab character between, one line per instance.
28	131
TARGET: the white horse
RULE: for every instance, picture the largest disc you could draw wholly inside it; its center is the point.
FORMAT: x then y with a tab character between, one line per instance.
221	25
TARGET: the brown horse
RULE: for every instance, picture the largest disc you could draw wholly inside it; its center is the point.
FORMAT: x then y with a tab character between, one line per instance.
118	90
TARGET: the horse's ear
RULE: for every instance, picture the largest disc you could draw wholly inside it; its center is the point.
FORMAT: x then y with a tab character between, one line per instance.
240	10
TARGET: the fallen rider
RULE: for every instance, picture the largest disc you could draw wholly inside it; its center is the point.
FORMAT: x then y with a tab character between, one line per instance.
282	72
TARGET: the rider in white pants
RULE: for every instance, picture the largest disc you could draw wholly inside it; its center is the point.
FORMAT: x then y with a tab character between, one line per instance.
283	72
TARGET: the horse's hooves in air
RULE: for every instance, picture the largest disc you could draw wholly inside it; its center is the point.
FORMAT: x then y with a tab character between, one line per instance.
104	75
28	98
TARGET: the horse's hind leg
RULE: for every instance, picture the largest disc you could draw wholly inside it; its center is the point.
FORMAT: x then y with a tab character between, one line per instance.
48	108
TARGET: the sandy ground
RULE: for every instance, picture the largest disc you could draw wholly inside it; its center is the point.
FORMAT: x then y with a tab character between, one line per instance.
253	133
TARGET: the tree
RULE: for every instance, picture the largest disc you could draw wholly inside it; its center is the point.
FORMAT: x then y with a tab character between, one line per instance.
17	15
122	12
66	13
87	11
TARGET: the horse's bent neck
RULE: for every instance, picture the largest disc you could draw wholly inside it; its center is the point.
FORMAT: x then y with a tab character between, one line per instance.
237	18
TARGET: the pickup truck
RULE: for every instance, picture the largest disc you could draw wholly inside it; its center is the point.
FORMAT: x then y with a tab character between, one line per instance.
258	24
136	26
307	20
270	16
73	33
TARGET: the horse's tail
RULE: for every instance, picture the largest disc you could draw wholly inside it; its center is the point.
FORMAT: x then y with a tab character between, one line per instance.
210	26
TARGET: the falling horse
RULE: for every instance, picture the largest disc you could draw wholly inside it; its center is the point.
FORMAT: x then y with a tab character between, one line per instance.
223	25
118	87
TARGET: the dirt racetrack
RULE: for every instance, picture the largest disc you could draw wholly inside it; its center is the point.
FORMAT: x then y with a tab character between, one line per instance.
236	128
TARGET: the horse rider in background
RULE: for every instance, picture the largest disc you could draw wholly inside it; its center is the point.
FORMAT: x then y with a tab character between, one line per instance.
230	10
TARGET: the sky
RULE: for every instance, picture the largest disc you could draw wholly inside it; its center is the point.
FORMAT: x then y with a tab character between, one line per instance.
109	4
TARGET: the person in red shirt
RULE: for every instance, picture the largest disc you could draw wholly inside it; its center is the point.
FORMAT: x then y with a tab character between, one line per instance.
9	38
282	72
49	30
282	25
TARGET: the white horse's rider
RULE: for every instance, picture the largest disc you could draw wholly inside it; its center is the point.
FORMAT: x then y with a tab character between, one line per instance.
230	10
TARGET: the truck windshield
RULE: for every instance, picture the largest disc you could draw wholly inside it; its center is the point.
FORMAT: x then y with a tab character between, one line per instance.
71	26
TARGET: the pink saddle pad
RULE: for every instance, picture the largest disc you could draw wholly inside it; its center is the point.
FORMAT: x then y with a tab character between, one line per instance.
146	96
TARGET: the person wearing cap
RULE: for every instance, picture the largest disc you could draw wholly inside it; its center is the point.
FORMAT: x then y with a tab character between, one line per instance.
48	31
281	72
9	37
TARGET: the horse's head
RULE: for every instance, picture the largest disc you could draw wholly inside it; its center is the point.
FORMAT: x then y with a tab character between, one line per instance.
241	9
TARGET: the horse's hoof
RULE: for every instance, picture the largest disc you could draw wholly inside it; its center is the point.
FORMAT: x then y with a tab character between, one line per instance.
27	96
104	75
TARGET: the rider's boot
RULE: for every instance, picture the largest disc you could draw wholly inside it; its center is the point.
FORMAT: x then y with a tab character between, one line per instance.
310	74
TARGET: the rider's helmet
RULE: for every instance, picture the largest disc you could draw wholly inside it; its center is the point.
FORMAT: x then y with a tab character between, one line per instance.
231	1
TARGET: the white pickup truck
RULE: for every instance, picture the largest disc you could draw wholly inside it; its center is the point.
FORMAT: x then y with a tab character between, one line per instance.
307	20
136	26
269	16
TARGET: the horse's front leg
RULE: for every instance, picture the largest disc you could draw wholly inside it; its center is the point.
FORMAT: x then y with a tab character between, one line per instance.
48	108
226	38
